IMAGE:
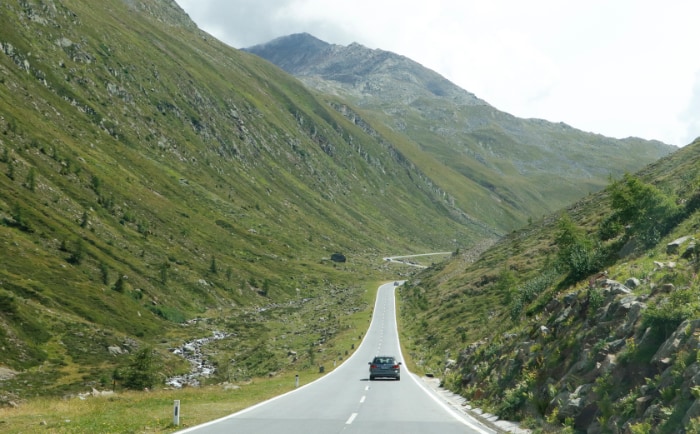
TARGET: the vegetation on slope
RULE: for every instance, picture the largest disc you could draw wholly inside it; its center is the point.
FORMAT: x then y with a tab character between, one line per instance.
584	321
157	185
497	167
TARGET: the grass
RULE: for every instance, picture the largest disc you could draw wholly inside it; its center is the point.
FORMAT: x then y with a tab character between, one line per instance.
199	190
131	411
131	219
461	310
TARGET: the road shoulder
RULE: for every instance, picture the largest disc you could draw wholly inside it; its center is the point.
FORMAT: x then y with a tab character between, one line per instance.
460	404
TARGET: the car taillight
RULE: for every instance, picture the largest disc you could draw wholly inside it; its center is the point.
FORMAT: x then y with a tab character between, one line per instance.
373	366
395	367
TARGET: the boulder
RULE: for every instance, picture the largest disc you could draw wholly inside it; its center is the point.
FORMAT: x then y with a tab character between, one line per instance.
571	405
671	346
615	288
674	246
692	413
570	299
608	364
338	257
690	251
641	405
634	311
632	282
666	288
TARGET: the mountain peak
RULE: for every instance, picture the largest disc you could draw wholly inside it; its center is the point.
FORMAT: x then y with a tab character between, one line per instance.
363	71
304	39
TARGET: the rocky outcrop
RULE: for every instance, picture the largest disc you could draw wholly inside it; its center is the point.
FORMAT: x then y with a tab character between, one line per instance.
595	359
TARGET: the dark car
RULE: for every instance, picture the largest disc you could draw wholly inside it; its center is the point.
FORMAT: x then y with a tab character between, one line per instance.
384	367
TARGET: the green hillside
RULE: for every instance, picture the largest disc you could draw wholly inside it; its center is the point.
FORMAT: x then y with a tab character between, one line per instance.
585	321
502	169
157	185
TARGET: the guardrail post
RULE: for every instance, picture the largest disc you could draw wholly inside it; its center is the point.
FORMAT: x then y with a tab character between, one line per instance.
176	412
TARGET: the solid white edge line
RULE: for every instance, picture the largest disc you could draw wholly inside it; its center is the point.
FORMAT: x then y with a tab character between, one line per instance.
461	417
260	404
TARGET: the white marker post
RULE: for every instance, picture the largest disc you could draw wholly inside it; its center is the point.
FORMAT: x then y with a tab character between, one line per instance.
176	413
296	381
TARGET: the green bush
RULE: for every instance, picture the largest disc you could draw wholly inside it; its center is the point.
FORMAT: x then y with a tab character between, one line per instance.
142	372
649	212
168	313
529	291
667	314
610	228
7	303
577	252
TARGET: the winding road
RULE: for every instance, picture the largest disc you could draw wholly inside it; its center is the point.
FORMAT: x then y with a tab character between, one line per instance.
345	401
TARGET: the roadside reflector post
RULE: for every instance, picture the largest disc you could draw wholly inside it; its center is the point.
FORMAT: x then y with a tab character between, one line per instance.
176	413
296	380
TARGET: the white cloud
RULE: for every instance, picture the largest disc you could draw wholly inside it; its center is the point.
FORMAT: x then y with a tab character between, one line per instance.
623	68
690	117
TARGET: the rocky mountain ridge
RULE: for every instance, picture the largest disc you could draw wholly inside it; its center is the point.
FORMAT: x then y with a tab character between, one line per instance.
508	159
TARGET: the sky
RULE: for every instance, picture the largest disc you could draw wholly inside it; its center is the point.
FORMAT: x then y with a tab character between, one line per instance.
619	68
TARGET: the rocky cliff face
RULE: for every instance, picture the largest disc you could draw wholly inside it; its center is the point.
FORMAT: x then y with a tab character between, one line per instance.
616	371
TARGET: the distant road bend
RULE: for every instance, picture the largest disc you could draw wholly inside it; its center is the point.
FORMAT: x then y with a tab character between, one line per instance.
345	401
404	259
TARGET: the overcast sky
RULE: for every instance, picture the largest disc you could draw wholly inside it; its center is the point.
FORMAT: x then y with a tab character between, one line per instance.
615	67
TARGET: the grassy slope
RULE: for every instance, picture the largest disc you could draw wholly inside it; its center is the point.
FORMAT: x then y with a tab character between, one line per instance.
152	175
462	311
502	169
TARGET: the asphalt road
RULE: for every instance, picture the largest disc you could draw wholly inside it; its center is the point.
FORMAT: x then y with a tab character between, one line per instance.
345	401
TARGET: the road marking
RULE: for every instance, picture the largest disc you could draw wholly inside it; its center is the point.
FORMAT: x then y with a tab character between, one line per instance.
352	417
366	387
362	399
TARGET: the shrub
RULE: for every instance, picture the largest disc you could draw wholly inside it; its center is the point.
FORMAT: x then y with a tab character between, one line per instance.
577	252
610	228
596	299
529	291
7	303
168	313
120	284
666	315
649	212
141	372
78	253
